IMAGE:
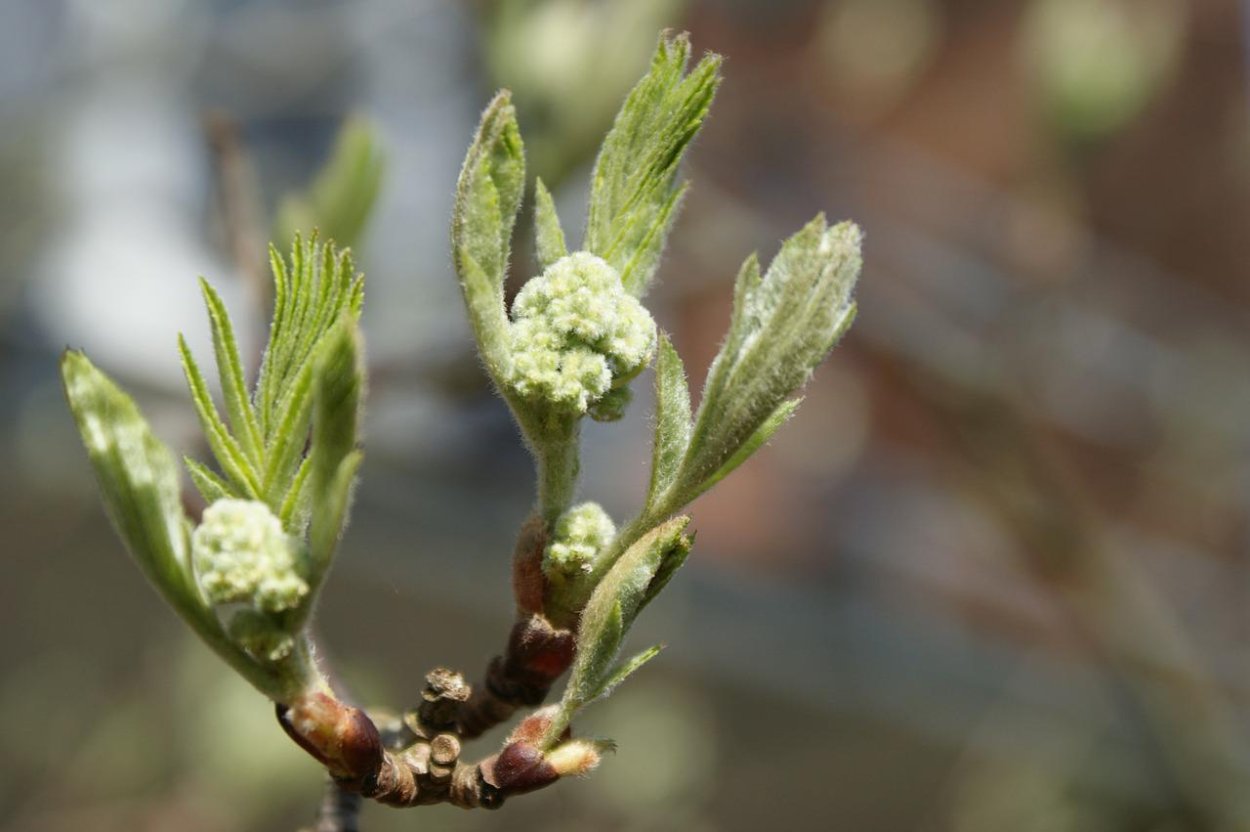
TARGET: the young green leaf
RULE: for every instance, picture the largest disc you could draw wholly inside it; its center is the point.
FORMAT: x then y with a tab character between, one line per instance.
623	671
782	327
233	383
615	603
233	461
672	420
756	441
550	244
634	191
138	478
318	287
211	487
488	197
333	460
341	198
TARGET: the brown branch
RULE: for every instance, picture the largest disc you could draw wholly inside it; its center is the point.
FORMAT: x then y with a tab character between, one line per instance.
419	764
340	810
537	653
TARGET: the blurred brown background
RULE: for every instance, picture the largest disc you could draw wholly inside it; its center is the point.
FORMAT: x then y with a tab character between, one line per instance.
994	575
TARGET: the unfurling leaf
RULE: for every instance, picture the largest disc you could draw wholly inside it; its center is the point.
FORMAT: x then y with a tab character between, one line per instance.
783	325
488	197
616	601
672	420
338	387
138	478
550	236
634	191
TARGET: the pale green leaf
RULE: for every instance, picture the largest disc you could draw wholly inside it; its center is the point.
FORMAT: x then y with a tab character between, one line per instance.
610	612
138	479
672	420
338	388
634	188
757	440
550	243
783	325
488	197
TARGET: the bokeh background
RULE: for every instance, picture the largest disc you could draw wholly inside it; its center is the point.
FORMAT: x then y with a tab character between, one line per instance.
993	577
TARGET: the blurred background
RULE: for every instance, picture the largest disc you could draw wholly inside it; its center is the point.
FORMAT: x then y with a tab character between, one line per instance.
993	576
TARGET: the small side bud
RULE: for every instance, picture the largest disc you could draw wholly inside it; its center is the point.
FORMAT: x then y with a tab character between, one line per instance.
568	562
577	757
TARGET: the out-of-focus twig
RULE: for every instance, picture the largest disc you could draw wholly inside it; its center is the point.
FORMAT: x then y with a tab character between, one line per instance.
1011	463
238	193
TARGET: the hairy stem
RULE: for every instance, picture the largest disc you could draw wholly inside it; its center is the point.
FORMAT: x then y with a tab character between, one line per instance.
559	461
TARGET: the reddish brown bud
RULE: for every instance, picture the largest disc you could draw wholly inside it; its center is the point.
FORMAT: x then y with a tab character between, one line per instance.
340	737
528	583
519	768
531	729
539	653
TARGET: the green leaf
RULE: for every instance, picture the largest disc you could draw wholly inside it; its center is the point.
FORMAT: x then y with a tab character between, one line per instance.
289	438
616	601
333	459
634	190
341	199
211	487
782	326
756	441
597	648
311	294
672	420
138	479
488	197
294	511
233	462
551	246
623	671
233	384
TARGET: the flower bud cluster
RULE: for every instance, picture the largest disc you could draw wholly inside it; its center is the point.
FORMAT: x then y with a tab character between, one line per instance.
242	554
577	537
577	334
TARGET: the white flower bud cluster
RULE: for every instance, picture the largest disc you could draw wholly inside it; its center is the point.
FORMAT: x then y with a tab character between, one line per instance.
242	554
579	534
576	334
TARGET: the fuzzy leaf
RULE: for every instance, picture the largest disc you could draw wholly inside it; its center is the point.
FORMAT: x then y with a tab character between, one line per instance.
488	197
311	294
333	460
242	477
211	487
341	198
756	441
614	605
551	246
233	383
783	326
672	420
623	671
139	481
634	190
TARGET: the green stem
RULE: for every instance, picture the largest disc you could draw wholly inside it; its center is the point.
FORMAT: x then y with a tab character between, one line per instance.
558	458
